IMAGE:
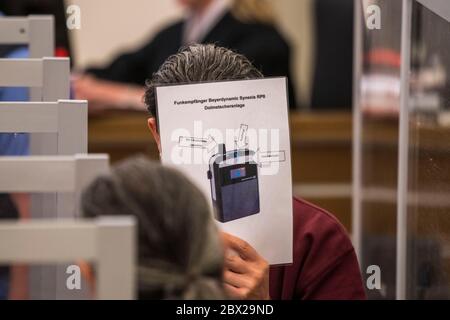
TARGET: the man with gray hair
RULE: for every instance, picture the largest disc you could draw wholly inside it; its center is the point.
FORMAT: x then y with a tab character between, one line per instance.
324	261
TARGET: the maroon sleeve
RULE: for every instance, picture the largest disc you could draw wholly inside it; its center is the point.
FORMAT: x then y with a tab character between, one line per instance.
324	261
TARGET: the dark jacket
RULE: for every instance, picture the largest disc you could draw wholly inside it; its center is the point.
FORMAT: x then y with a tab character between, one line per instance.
260	43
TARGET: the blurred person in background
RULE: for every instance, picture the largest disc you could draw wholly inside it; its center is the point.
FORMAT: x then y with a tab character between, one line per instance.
179	248
332	86
246	26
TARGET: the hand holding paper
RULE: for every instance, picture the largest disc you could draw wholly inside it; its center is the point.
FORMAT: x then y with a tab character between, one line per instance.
246	273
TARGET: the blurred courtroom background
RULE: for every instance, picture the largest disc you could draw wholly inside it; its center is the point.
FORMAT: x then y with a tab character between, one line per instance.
320	36
103	35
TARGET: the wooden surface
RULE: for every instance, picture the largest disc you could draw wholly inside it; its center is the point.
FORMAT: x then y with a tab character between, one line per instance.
126	133
121	134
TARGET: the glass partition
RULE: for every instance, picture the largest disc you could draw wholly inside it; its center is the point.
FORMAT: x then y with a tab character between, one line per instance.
377	106
428	161
401	164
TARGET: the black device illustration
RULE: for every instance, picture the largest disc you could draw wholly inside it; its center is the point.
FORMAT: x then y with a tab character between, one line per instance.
234	184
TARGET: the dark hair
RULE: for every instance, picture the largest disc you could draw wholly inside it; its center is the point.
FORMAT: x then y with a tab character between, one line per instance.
179	252
199	63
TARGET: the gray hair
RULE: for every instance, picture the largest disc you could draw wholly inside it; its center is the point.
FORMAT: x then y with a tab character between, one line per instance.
180	254
199	63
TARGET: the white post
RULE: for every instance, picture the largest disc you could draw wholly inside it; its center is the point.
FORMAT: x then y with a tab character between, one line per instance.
116	259
403	151
357	132
41	40
41	36
55	86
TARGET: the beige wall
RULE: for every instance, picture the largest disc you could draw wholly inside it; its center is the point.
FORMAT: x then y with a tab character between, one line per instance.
110	26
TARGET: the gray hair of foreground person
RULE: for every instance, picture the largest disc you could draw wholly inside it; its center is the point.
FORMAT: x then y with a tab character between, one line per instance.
179	252
199	63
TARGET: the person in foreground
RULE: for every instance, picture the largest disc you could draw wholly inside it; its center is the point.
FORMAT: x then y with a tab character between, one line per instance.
324	261
179	248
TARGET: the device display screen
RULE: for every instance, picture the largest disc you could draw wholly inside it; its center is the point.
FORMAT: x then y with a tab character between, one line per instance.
237	173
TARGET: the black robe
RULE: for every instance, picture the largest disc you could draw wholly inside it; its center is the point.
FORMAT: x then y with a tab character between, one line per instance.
260	43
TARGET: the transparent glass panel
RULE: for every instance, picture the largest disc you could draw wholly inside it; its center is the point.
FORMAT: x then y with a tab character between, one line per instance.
380	105
428	255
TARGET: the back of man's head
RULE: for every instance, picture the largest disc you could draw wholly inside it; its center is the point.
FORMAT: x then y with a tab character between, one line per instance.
199	63
179	249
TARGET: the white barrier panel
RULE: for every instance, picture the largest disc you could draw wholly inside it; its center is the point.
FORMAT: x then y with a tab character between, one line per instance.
50	241
50	173
37	32
68	119
48	79
63	176
52	75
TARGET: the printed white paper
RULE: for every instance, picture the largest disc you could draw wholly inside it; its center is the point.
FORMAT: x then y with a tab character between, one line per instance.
232	139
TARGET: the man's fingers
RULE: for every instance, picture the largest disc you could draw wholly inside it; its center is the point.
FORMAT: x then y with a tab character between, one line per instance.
244	249
236	264
236	279
233	292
